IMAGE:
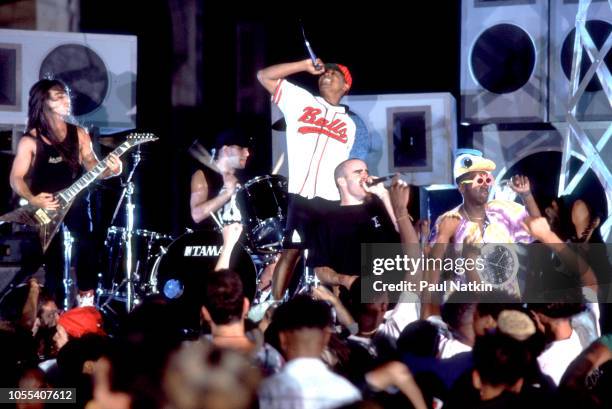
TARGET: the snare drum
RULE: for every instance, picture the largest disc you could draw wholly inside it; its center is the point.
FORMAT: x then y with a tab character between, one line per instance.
179	274
263	204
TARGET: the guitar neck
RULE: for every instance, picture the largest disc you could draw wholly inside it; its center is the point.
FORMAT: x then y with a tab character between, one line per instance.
68	194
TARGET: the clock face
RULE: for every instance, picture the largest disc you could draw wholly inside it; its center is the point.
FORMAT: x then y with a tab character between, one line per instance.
500	264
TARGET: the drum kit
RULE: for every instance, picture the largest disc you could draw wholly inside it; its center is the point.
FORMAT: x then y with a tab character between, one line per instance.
142	263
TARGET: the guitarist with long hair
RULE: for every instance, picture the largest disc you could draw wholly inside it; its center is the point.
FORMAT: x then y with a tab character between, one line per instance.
50	156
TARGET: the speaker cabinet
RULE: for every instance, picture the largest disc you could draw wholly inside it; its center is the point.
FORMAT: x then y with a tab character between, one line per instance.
504	61
99	69
593	105
507	147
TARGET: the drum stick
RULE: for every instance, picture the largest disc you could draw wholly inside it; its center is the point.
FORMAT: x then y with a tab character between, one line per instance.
279	163
216	220
199	153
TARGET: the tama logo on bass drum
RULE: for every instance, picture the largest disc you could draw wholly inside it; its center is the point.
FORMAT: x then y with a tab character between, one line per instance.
202	251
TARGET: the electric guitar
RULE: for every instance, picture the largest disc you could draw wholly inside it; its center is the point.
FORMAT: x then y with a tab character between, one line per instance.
48	221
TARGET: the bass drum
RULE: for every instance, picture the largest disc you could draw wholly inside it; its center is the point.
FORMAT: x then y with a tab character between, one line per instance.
179	274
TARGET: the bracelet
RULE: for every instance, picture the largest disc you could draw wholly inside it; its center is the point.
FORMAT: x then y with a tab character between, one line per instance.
403	216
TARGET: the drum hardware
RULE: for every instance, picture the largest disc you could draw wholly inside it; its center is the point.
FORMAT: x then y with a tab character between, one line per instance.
128	191
307	281
67	281
146	249
262	202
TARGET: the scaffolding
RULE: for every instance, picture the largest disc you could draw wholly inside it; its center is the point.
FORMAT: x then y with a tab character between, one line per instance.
576	140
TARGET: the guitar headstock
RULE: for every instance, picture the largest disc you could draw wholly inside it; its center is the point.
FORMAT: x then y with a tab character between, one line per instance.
134	139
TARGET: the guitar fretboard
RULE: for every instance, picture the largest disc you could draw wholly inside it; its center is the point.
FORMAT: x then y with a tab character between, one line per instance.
69	193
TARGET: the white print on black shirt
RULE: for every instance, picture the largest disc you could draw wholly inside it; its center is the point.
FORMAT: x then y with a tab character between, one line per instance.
376	222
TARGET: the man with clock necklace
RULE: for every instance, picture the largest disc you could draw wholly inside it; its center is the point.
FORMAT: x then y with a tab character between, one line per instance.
478	220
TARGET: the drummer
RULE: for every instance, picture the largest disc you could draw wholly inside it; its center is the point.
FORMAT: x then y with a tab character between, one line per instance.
213	186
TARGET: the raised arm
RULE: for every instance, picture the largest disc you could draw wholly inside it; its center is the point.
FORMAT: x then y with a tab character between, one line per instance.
269	76
520	184
399	195
231	234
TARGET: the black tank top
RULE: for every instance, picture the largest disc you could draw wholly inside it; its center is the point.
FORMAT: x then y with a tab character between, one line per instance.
215	184
50	172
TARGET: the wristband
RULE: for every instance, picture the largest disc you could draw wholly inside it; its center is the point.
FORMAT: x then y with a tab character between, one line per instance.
403	216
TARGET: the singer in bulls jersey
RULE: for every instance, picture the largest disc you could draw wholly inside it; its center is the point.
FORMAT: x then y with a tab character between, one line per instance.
320	133
50	156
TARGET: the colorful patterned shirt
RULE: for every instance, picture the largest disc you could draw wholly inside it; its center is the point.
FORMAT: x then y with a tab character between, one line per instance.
502	224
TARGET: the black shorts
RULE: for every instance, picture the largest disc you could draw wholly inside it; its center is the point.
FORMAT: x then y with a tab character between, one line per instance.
303	217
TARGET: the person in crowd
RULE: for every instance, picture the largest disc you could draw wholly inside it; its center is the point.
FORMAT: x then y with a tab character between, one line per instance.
305	381
563	343
224	308
202	376
77	322
76	361
458	315
39	315
579	377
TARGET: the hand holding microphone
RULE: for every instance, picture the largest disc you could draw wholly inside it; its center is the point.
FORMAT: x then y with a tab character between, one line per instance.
311	67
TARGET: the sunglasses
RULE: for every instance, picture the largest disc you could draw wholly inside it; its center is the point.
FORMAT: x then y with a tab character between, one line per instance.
479	181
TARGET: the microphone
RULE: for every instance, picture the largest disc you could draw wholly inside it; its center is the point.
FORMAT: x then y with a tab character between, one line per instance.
380	180
311	53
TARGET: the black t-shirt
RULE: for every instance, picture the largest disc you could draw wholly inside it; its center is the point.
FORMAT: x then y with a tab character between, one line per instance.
50	173
343	230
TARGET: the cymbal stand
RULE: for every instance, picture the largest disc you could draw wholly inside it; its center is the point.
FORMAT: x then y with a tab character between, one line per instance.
67	281
128	191
307	282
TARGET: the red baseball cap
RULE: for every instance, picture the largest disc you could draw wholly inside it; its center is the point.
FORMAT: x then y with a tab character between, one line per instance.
81	320
348	79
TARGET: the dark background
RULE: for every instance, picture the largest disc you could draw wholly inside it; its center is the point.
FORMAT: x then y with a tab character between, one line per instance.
400	48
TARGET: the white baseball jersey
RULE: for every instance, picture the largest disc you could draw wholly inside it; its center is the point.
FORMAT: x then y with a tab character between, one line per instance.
319	137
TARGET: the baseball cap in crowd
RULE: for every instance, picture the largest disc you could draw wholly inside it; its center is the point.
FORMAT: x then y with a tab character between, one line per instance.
233	136
348	79
81	320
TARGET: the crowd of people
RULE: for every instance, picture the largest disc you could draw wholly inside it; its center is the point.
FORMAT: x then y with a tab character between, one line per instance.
325	346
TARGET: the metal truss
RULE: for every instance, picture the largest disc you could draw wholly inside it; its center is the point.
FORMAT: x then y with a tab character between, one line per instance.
575	135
